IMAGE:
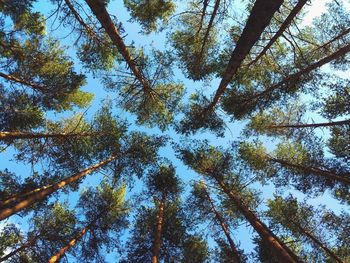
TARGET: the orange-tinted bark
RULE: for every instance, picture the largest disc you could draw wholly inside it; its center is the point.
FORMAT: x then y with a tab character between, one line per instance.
41	193
158	234
282	252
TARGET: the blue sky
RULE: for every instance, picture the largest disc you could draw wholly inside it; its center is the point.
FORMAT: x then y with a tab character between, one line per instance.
242	234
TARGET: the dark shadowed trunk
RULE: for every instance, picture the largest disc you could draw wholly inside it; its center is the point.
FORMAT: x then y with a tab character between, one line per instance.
310	125
27	244
13	135
280	31
33	85
99	10
234	252
259	18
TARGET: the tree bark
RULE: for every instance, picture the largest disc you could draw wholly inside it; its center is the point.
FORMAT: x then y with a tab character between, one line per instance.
280	31
158	234
260	16
345	32
40	193
318	171
235	254
33	85
13	135
210	25
62	251
310	125
283	253
99	10
318	243
294	77
27	244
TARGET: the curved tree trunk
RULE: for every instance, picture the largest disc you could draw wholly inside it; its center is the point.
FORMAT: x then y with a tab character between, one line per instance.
235	254
310	125
62	251
259	18
99	10
41	193
324	173
280	31
13	135
158	234
283	253
27	244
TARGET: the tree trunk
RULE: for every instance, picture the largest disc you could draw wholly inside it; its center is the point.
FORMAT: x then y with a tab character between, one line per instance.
294	77
158	234
283	253
34	86
259	18
27	244
345	32
210	25
62	251
280	31
40	193
324	173
235	254
13	135
310	125
99	10
318	243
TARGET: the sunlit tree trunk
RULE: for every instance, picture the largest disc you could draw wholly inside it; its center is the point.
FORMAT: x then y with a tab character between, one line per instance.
24	82
158	234
283	253
40	193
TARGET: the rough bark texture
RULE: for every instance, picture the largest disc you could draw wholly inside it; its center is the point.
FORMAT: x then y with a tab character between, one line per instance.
310	125
294	77
236	258
62	251
283	253
13	135
29	243
280	31
41	193
318	171
99	10
258	20
158	234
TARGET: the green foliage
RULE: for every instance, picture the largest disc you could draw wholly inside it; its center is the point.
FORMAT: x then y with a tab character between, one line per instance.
149	12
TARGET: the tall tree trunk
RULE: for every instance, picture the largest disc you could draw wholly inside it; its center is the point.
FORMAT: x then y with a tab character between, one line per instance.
345	32
158	234
283	253
280	31
317	171
13	135
284	84
204	10
27	244
99	10
207	32
259	18
40	193
310	125
235	254
33	85
62	251
318	243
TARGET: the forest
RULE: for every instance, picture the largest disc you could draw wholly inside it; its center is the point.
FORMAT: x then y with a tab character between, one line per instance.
172	131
